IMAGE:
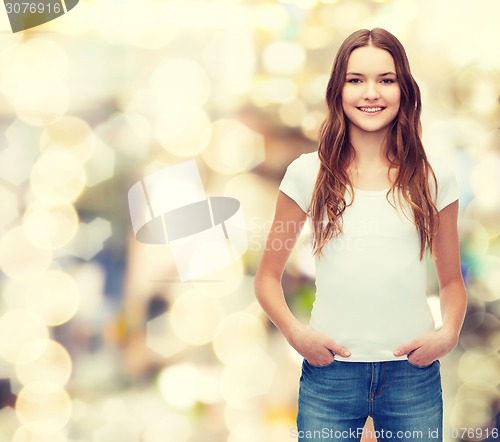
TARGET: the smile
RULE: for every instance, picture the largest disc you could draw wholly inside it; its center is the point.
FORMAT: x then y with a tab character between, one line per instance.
371	110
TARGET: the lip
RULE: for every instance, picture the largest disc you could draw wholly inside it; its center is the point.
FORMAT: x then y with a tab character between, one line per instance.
371	107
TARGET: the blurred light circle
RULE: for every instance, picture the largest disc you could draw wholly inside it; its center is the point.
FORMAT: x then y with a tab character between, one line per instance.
44	401
20	259
128	133
50	226
176	426
292	113
271	17
58	177
311	123
316	36
238	337
10	209
70	133
485	181
474	237
283	57
39	432
142	26
489	273
315	91
179	385
258	205
487	392
183	129
471	412
43	360
244	383
279	90
479	363
478	89
41	98
17	329
222	282
180	80
194	317
234	148
43	56
41	103
54	296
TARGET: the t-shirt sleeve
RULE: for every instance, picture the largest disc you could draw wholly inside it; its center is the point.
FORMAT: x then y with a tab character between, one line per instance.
293	183
447	185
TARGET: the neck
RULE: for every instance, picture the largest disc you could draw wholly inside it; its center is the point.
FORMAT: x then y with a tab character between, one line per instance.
368	147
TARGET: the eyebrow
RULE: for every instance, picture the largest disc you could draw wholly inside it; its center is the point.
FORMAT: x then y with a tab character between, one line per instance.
380	75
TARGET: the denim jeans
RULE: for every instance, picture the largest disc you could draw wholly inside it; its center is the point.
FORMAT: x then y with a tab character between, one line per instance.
403	399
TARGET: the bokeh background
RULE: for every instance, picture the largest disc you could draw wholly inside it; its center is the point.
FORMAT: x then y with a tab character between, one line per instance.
99	340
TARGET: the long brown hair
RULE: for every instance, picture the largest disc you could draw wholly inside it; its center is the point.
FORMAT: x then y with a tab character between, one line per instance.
403	148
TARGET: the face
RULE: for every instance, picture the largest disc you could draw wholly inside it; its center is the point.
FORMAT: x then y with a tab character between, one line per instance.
371	93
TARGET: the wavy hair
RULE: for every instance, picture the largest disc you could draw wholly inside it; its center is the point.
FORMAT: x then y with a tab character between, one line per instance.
403	149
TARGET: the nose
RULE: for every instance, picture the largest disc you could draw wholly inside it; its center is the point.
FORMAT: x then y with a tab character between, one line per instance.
371	91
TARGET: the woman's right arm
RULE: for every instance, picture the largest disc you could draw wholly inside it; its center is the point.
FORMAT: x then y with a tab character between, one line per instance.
288	222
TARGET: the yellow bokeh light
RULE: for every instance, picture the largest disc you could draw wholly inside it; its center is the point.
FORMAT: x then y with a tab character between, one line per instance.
245	382
273	90
238	337
180	80
44	401
179	385
58	177
230	58
234	148
50	226
283	58
194	317
479	363
10	209
20	259
17	329
69	133
54	296
43	360
33	80
39	432
293	113
41	104
484	174
183	129
270	16
316	37
221	282
21	60
176	426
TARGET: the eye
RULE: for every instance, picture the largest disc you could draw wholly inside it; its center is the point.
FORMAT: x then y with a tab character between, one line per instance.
354	80
388	81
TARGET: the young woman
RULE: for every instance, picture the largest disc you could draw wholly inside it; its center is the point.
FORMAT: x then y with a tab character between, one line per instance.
376	203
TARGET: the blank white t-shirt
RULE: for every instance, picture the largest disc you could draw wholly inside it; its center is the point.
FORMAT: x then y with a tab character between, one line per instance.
370	283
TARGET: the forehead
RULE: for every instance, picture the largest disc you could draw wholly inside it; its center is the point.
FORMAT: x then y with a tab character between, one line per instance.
370	60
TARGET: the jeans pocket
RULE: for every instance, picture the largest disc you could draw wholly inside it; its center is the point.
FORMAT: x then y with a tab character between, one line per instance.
419	366
320	366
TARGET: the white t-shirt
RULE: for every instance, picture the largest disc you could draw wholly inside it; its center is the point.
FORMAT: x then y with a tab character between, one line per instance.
370	283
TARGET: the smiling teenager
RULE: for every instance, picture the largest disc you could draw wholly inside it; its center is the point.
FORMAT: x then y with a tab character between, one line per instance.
371	347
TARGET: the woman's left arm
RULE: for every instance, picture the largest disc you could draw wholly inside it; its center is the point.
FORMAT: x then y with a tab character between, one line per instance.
452	293
446	255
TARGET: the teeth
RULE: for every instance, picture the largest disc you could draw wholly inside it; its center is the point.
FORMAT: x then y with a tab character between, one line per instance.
371	109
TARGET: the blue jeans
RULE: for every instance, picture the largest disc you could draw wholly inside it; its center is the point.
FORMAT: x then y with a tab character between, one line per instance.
404	400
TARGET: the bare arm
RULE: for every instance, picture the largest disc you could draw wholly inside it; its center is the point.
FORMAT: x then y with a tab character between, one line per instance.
453	296
287	225
446	255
